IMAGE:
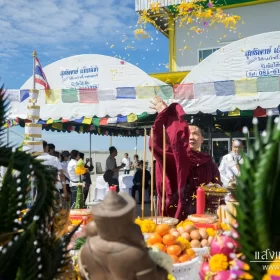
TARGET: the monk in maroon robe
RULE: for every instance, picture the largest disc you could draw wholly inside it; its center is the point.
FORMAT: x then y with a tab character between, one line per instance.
186	167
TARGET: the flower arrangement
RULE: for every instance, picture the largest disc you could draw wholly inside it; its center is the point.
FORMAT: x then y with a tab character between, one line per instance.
211	232
147	226
218	263
183	242
80	167
80	170
184	223
224	262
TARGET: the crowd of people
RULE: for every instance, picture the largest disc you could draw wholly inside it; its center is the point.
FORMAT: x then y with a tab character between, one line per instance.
65	163
112	172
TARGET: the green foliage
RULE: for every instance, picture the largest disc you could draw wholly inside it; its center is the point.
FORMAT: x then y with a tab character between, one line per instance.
79	243
30	246
258	195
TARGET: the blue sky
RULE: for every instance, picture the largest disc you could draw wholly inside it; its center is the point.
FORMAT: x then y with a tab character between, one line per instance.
59	29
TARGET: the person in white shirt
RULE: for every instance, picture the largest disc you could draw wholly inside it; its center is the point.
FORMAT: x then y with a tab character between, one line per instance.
49	160
74	178
65	158
229	167
127	162
111	164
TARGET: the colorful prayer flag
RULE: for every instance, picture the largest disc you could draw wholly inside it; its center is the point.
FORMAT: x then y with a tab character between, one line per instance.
88	96
126	93
259	112
183	91
203	89
52	96
106	94
112	120
142	116
103	121
24	94
145	92
246	87
165	91
268	84
80	120
131	118
234	113
57	126
87	120
122	119
224	88
96	121
246	113
69	96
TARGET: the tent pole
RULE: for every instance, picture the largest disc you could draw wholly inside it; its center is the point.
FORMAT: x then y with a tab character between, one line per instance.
89	145
136	145
111	141
210	150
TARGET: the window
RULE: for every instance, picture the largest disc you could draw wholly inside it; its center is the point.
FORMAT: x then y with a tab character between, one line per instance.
202	54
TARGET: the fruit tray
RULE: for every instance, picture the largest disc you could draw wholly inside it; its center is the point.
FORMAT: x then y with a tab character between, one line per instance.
163	220
187	270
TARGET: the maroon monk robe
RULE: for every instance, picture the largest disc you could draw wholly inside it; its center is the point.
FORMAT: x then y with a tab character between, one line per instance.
185	169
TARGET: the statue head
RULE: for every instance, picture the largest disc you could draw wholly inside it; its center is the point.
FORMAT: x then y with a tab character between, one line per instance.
114	215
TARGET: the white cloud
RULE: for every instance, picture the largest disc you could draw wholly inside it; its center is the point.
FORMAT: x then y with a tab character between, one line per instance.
58	23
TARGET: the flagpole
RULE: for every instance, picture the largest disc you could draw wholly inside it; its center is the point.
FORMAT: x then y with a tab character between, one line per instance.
34	61
32	194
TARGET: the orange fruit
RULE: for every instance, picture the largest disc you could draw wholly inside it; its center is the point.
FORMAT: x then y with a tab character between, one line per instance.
174	250
174	258
191	253
154	238
182	246
161	247
184	258
162	229
169	239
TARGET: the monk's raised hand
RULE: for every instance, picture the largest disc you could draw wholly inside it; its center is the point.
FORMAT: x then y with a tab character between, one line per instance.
158	104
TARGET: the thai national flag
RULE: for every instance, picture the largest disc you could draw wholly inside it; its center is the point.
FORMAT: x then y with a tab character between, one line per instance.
40	77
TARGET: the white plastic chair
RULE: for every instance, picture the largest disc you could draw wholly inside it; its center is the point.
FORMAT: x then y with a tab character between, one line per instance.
101	189
126	183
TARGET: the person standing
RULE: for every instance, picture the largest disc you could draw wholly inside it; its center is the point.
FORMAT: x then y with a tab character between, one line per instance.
137	181
53	161
126	161
135	163
65	157
74	178
51	149
86	177
186	167
229	167
111	164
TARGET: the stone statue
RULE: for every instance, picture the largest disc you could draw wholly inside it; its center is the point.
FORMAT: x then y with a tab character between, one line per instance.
115	248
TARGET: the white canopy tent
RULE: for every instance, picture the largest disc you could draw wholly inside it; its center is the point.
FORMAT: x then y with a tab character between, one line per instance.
86	86
244	75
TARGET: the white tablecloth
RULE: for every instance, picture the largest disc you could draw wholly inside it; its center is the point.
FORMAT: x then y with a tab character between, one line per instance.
125	183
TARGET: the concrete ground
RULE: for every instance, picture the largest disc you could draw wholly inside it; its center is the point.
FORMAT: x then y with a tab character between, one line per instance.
138	206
